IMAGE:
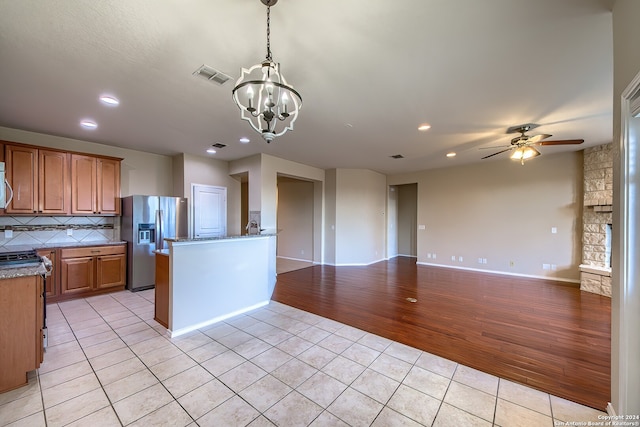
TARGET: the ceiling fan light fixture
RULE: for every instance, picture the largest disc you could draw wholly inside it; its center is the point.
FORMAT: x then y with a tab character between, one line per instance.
264	97
524	153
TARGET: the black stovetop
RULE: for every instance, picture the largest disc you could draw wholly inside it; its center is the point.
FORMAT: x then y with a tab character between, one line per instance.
18	257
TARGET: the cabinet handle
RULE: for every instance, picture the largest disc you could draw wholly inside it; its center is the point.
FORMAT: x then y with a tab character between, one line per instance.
95	252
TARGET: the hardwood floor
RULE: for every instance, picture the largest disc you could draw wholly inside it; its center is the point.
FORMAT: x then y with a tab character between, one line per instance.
544	334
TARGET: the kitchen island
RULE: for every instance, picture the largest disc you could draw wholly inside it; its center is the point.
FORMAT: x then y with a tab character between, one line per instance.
21	322
212	279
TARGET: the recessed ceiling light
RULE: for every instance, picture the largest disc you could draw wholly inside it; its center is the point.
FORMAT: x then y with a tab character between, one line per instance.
452	154
211	151
424	127
245	140
88	124
109	100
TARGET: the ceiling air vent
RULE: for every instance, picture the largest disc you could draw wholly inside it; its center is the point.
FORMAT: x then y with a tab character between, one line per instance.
211	74
397	156
219	145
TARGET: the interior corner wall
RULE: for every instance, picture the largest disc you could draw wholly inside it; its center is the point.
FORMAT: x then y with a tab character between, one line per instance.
330	217
503	212
178	176
252	167
407	219
140	172
392	221
361	200
625	301
207	171
270	168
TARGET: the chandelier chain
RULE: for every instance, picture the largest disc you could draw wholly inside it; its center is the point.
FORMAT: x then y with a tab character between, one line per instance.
269	33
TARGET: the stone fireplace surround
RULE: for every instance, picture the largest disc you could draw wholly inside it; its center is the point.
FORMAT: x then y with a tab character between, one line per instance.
595	270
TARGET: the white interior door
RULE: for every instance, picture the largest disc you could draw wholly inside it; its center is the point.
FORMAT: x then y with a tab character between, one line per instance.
209	211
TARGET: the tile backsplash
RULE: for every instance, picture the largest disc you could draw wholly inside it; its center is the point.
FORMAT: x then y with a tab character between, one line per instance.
52	230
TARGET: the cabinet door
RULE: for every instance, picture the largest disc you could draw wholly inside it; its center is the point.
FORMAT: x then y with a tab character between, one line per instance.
21	172
18	323
111	271
108	186
53	183
52	280
83	184
76	275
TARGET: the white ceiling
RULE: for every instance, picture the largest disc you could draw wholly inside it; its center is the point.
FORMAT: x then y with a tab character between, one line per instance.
369	71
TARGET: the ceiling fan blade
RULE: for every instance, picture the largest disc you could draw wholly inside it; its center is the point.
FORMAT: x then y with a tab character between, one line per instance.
494	147
562	142
537	138
495	154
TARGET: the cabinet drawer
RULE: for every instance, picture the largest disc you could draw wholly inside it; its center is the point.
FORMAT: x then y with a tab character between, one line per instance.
92	251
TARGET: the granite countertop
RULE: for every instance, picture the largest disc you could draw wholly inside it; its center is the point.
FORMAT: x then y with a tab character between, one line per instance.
14	248
204	239
22	270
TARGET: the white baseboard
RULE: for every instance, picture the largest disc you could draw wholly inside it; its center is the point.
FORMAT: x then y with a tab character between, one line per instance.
610	410
295	259
504	273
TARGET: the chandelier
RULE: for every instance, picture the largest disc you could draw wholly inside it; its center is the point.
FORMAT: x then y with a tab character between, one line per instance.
264	97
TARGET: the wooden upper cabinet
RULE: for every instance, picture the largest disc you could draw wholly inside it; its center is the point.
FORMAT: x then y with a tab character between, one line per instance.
95	184
39	179
108	186
55	182
21	174
54	193
83	185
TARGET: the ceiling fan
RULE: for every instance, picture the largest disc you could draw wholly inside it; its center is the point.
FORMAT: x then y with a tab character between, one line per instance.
522	146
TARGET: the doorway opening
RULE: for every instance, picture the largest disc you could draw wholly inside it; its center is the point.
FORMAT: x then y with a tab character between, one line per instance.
295	222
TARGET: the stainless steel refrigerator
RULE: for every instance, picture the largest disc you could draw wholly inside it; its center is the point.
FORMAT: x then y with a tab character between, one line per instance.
146	222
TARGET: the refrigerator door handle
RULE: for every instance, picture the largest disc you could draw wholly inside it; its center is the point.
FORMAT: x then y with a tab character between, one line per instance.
160	230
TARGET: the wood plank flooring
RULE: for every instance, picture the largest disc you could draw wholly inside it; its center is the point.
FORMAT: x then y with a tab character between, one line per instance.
545	334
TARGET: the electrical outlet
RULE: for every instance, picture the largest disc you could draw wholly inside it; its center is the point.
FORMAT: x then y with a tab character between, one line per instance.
554	230
429	255
8	234
546	267
69	231
453	257
484	260
460	259
421	227
554	267
479	260
434	256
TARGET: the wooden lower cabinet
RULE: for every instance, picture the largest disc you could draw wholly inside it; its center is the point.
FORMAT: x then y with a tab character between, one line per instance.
162	290
21	322
51	282
92	270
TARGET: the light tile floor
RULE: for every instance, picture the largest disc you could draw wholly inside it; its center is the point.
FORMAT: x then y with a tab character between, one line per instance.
110	364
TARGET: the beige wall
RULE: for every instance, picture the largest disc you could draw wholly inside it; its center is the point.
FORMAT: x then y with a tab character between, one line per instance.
504	212
141	173
360	223
330	192
625	302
